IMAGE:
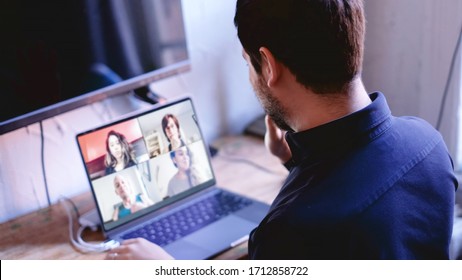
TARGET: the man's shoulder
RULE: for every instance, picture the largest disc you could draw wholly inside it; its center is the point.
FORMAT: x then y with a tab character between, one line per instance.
407	137
414	126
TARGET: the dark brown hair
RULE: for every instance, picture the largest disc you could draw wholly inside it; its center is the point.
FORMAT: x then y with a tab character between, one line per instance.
320	41
165	123
127	151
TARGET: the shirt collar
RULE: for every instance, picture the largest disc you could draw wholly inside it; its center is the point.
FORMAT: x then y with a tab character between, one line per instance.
341	135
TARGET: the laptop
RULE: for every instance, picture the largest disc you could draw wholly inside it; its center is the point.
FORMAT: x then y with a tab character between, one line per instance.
151	176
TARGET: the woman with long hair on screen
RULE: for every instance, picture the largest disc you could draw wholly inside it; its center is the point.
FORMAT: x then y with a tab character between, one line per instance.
119	153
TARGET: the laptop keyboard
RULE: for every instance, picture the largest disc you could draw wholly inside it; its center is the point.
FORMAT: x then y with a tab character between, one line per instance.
188	220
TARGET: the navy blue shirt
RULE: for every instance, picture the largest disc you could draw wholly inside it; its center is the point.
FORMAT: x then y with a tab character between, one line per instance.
366	186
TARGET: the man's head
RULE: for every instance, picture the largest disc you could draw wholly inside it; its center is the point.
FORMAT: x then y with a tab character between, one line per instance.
319	41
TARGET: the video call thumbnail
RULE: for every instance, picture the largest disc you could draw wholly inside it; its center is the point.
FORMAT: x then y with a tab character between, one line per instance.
145	161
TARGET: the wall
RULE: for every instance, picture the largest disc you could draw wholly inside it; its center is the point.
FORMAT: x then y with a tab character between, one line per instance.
218	83
409	46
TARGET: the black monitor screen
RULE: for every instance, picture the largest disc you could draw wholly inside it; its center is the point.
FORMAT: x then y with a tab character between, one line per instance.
54	50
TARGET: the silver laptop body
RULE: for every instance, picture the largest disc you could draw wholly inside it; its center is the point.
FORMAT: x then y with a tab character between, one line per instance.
169	195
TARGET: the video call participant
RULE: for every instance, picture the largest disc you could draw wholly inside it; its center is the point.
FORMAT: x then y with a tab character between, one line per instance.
131	202
187	175
171	128
119	153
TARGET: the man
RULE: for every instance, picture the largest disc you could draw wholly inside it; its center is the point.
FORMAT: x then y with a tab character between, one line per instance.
362	183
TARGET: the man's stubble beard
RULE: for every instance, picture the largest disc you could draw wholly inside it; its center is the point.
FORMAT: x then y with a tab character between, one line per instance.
273	107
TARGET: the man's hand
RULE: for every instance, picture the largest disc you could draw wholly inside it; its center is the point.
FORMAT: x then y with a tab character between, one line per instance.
275	141
138	249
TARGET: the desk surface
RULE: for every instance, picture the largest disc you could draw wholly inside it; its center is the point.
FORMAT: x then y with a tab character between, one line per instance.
242	165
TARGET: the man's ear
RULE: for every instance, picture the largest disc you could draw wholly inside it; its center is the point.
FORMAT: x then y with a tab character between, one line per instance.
271	68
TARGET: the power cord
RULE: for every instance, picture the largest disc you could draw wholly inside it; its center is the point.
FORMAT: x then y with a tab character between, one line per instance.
42	154
78	243
448	81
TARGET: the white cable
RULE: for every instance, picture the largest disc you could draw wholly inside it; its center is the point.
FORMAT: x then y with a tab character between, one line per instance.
80	244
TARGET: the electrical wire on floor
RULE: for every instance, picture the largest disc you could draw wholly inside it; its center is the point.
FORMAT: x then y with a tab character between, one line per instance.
77	240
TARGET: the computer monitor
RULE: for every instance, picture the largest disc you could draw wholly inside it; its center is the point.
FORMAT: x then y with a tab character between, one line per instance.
57	56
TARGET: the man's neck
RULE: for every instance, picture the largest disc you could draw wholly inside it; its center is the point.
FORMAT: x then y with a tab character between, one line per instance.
318	109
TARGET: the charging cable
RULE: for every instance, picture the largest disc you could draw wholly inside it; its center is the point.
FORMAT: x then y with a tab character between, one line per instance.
79	243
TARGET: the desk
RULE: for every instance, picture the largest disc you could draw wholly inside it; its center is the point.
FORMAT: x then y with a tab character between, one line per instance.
242	165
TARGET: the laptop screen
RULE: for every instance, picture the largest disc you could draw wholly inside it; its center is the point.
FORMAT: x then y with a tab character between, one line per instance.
146	161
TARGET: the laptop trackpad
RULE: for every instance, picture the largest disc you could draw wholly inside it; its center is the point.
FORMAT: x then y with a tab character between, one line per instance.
219	236
184	250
